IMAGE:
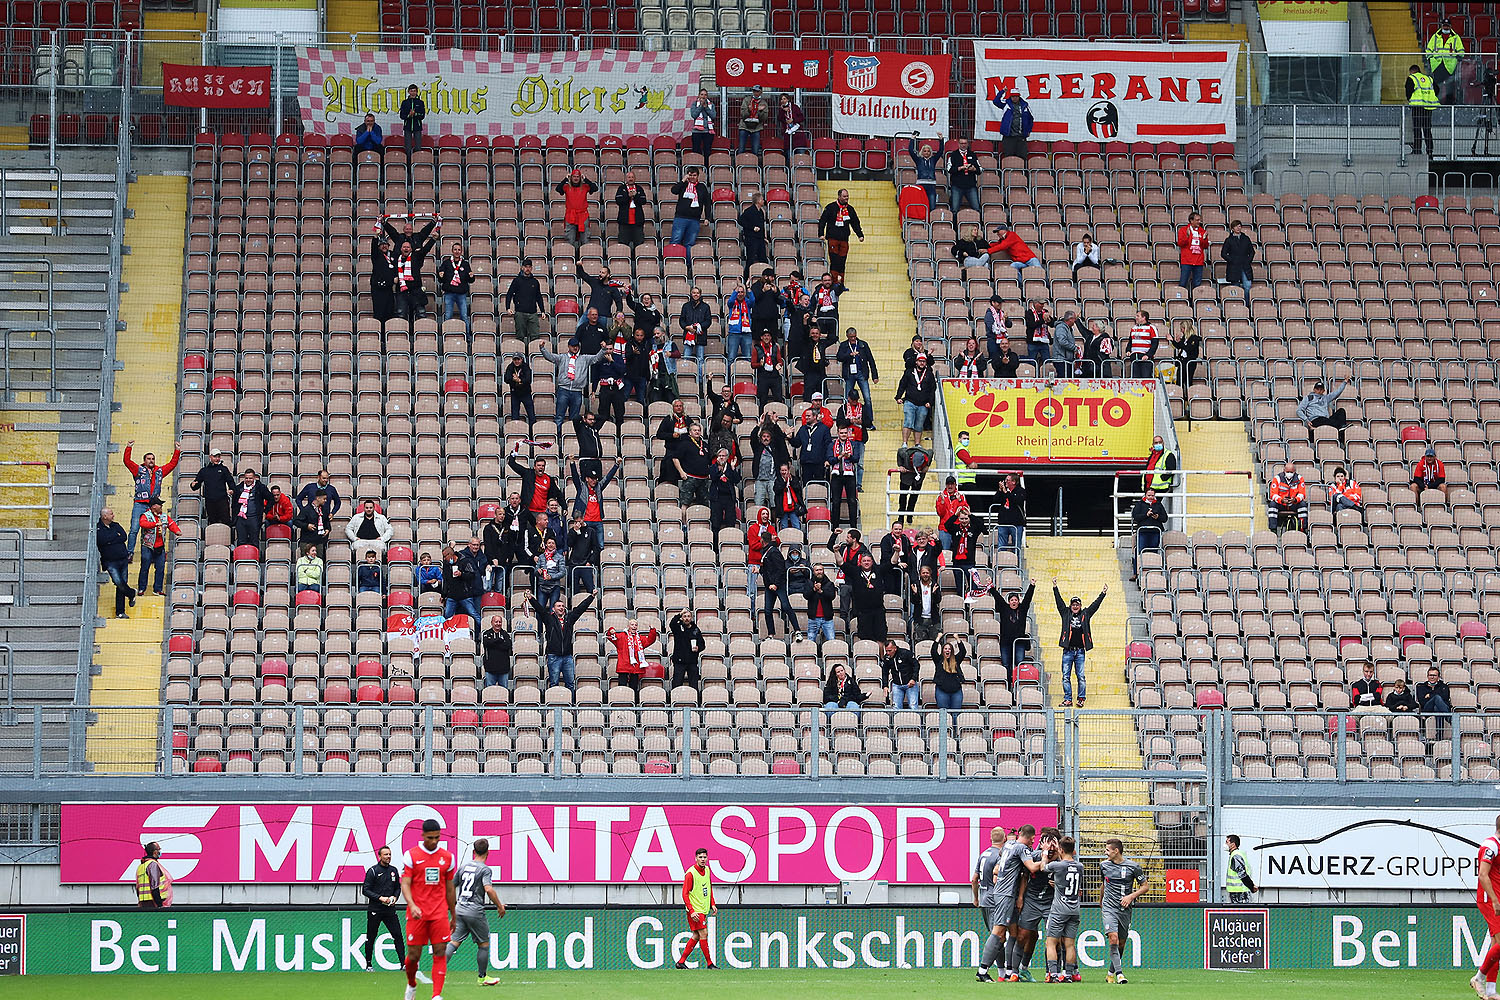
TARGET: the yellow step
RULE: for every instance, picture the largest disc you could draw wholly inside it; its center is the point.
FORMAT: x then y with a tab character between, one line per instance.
1220	444
130	651
15	137
879	305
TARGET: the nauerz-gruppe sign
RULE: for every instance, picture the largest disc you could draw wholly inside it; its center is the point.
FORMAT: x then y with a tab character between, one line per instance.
540	843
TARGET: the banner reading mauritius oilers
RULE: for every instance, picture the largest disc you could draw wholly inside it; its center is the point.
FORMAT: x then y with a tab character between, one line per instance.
594	92
890	93
1078	421
540	842
1109	91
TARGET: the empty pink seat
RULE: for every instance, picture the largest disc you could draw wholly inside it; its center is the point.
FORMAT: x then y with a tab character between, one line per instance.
1210	698
786	765
456	386
246	598
248	553
274	670
496	718
400	554
368	668
658	765
464	718
207	764
309	599
372	694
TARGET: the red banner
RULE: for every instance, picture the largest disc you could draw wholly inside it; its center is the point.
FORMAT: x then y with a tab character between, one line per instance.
783	69
216	86
890	93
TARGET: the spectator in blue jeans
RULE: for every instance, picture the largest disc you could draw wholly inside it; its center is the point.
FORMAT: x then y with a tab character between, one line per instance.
948	672
557	624
114	559
692	203
820	591
1076	640
841	691
1009	512
898	672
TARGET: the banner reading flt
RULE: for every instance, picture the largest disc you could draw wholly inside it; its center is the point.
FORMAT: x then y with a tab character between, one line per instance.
889	93
540	843
1072	421
595	92
1111	92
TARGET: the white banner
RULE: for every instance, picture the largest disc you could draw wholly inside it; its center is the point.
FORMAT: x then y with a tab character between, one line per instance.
1111	92
595	92
1361	848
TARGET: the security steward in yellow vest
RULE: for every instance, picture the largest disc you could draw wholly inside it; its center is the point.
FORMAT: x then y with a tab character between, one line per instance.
1444	49
153	885
1237	880
1421	96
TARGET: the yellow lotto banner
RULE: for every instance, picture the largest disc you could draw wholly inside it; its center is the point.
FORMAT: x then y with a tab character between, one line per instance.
1302	10
1069	421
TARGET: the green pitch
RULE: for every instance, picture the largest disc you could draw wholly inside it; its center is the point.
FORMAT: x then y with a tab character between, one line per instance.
735	985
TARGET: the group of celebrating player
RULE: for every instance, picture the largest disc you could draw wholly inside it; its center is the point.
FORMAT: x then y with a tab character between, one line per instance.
1025	884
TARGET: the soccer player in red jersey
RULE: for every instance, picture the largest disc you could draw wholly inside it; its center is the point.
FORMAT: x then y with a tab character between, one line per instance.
427	884
698	898
1485	898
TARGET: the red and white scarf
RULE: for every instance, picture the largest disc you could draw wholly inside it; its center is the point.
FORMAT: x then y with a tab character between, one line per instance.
403	273
634	653
572	369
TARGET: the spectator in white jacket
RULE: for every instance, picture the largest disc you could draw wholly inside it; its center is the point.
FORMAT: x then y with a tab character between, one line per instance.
1085	254
368	531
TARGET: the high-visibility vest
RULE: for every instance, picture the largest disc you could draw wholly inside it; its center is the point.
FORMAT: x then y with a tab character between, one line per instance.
1423	94
1443	51
1232	880
143	883
963	473
702	890
1162	478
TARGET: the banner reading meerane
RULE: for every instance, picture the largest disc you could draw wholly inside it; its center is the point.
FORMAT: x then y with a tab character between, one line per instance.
596	92
1078	421
1111	92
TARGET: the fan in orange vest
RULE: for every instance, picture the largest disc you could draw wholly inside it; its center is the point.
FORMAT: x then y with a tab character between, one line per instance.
1344	494
1289	499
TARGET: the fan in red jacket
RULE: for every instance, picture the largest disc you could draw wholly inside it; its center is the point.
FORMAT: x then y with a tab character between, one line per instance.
756	537
1192	250
948	503
630	652
280	511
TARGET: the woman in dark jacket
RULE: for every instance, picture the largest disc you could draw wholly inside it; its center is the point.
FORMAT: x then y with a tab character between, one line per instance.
1187	346
948	672
753	232
687	647
841	691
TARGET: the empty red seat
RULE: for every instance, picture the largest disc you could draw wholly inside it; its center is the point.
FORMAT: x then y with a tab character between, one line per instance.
249	553
1473	630
278	531
402	693
207	764
371	694
819	513
658	765
246	598
368	668
400	599
456	386
1413	432
309	599
1028	672
337	693
274	669
488	510
180	644
495	718
786	765
224	383
492	599
723	194
400	554
1210	698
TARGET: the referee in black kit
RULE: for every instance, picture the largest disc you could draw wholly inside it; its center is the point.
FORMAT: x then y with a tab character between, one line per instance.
382	891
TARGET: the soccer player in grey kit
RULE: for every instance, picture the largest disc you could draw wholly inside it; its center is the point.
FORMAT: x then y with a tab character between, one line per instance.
473	883
1120	874
983	882
1063	918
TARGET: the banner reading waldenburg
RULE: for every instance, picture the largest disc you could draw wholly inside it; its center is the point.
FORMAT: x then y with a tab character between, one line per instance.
593	92
889	93
1111	92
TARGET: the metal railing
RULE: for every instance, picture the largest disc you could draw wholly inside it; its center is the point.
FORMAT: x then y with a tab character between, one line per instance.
42	504
1178	513
13	177
21	564
807	741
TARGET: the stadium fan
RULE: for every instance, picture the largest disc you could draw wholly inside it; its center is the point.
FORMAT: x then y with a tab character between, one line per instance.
1345	493
752	223
767	360
1238	253
690	459
837	223
1065	352
867	598
948	655
924	603
1009	510
723	491
925	159
1367	694
1039	324
820	591
1141	345
551	572
525	301
1085	254
1010	243
1099	351
704	119
577	191
148	479
1317	409
1187	347
248	506
557	624
765	305
899	674
737	324
754	110
308	572
1192	247
368	577
413	115
1429	473
572	379
458	584
967	531
916	394
631	200
581	554
814	446
114	559
773	577
498	649
693	206
369	137
792	122
215	482
841	691
1076	639
280	510
1150	520
368	531
694	322
1016	124
606	296
963	178
314	521
687	650
455	276
322	484
1288	498
630	652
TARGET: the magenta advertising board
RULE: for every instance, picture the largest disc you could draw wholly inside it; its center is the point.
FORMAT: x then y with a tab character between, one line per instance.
540	842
